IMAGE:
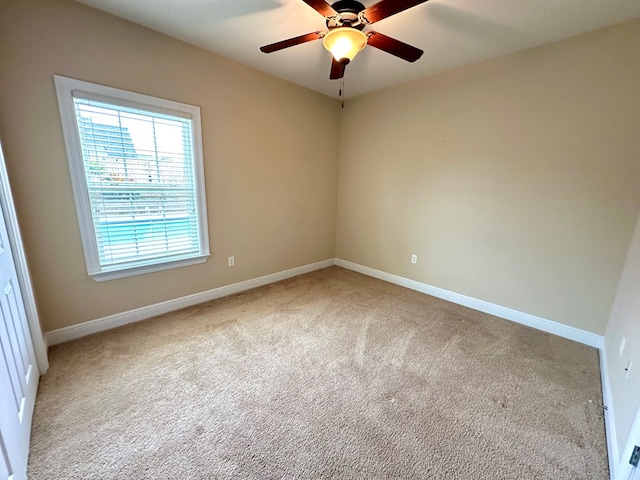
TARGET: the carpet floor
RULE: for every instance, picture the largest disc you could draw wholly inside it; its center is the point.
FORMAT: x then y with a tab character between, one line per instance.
331	374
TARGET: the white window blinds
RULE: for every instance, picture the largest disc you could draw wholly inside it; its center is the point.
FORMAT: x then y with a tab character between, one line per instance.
140	180
141	177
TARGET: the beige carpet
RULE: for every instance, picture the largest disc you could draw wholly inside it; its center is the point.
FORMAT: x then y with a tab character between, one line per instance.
327	375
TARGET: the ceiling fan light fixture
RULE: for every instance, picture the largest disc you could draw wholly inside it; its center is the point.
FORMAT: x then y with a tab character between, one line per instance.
344	43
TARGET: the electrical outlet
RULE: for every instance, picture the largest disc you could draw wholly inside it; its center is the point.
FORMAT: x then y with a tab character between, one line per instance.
232	261
414	259
623	343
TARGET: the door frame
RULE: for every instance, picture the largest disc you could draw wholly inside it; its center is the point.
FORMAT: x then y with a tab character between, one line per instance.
22	269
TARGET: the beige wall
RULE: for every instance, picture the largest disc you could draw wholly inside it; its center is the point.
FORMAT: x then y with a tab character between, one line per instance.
624	322
515	181
270	151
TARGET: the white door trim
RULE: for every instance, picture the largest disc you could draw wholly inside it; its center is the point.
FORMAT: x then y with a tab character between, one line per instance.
22	269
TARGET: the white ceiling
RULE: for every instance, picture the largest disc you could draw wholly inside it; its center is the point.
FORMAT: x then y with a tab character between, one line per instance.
451	33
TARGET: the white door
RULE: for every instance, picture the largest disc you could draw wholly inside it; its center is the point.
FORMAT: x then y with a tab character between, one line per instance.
18	368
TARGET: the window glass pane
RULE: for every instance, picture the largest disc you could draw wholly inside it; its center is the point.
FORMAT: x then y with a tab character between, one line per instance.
139	169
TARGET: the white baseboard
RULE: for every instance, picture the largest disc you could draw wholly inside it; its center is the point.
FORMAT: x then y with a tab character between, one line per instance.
549	326
609	418
112	321
93	326
66	334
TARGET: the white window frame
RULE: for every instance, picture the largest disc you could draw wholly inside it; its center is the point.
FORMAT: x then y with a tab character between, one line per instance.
65	88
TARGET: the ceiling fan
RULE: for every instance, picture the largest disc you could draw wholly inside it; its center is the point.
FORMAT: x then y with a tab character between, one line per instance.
345	21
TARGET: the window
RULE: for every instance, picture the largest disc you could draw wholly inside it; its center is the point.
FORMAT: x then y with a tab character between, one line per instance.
137	175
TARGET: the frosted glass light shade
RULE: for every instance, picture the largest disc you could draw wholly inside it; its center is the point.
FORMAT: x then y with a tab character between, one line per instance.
344	42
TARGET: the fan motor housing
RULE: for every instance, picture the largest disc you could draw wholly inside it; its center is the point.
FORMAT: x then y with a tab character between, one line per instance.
348	10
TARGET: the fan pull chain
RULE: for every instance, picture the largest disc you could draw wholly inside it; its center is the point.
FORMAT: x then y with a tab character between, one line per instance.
341	92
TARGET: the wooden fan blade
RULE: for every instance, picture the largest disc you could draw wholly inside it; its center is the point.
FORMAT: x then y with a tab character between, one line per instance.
274	47
394	47
386	8
337	69
322	7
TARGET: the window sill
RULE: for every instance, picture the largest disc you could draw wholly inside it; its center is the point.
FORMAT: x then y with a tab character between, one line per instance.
105	275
